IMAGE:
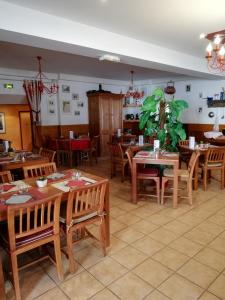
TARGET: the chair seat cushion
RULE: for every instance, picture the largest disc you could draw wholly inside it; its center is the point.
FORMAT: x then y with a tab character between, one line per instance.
181	173
212	165
148	172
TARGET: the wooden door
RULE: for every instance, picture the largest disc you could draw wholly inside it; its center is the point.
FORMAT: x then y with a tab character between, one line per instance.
116	114
105	124
25	130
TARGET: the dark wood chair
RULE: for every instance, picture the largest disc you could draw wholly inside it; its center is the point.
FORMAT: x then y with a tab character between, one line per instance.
39	170
64	153
84	207
184	155
214	160
91	152
146	174
31	225
117	159
50	154
5	176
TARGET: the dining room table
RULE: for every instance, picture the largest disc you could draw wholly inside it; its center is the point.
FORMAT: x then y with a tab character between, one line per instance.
155	158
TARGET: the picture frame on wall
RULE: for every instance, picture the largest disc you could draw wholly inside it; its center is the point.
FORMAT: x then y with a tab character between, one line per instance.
51	107
2	122
80	104
75	97
65	88
66	106
77	113
188	88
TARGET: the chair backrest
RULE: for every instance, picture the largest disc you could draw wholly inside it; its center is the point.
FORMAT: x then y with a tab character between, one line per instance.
95	142
47	153
126	138
184	143
63	144
130	155
31	218
192	162
215	155
5	176
39	170
116	151
86	200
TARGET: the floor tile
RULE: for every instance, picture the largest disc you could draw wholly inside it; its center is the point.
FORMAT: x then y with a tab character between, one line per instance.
177	227
148	245
55	294
129	257
178	288
208	296
144	226
186	246
152	272
218	219
170	258
88	256
211	258
89	284
115	226
156	295
115	245
107	271
199	236
189	218
104	295
198	273
129	287
116	212
128	235
218	244
128	219
159	219
218	287
163	235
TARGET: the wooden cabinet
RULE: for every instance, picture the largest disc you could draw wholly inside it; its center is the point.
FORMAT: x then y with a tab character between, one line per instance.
105	117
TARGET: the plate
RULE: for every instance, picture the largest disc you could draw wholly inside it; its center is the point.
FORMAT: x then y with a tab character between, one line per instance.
18	199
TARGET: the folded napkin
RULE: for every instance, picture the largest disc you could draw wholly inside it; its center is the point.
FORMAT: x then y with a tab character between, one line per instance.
7	187
18	199
144	153
73	183
55	176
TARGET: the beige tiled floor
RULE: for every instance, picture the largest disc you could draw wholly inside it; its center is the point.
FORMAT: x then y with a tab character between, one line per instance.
156	253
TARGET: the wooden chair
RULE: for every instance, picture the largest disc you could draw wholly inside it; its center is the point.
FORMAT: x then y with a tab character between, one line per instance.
5	176
214	160
39	170
47	153
84	207
117	158
92	152
64	153
183	175
146	174
184	155
31	225
2	283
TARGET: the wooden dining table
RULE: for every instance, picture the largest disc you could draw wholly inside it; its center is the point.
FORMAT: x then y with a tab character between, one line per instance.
151	158
52	189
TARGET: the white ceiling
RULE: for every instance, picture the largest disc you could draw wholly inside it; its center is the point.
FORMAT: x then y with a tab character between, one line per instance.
174	24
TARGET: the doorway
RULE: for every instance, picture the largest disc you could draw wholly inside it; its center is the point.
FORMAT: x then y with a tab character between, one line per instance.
25	130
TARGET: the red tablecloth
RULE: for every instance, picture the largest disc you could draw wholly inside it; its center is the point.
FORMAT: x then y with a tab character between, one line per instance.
76	144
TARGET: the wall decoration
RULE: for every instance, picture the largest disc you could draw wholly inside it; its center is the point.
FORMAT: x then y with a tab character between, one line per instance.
75	96
80	104
188	88
65	88
66	106
2	122
51	107
77	113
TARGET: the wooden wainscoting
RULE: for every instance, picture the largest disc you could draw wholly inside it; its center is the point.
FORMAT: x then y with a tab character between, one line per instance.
198	130
55	131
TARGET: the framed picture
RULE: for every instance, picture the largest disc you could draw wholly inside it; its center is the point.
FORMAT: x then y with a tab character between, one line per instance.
2	122
77	113
188	88
80	104
75	96
66	106
51	107
65	88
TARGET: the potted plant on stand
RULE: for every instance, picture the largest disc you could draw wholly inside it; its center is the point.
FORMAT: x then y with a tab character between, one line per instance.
160	118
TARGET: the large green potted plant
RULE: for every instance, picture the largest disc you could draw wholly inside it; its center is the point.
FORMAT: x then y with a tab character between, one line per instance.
160	118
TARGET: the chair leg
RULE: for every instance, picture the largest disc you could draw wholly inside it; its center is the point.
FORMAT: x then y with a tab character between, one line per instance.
205	179
189	188
157	181
222	178
162	190
58	258
72	264
15	274
123	171
102	235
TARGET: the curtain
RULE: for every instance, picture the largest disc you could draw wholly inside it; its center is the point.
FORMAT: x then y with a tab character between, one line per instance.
33	93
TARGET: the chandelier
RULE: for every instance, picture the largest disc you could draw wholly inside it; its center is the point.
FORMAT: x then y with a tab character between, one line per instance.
131	93
215	50
41	87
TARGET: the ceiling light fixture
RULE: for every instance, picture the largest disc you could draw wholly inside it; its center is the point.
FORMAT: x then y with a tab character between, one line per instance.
216	51
110	57
132	93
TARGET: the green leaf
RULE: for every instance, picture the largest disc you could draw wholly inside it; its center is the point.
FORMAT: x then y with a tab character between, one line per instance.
159	94
150	105
143	119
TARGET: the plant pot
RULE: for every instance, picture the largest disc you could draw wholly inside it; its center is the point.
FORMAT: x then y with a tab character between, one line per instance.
41	183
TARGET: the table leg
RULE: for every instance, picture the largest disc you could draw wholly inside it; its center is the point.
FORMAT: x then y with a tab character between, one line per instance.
2	283
196	175
134	183
175	184
107	217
